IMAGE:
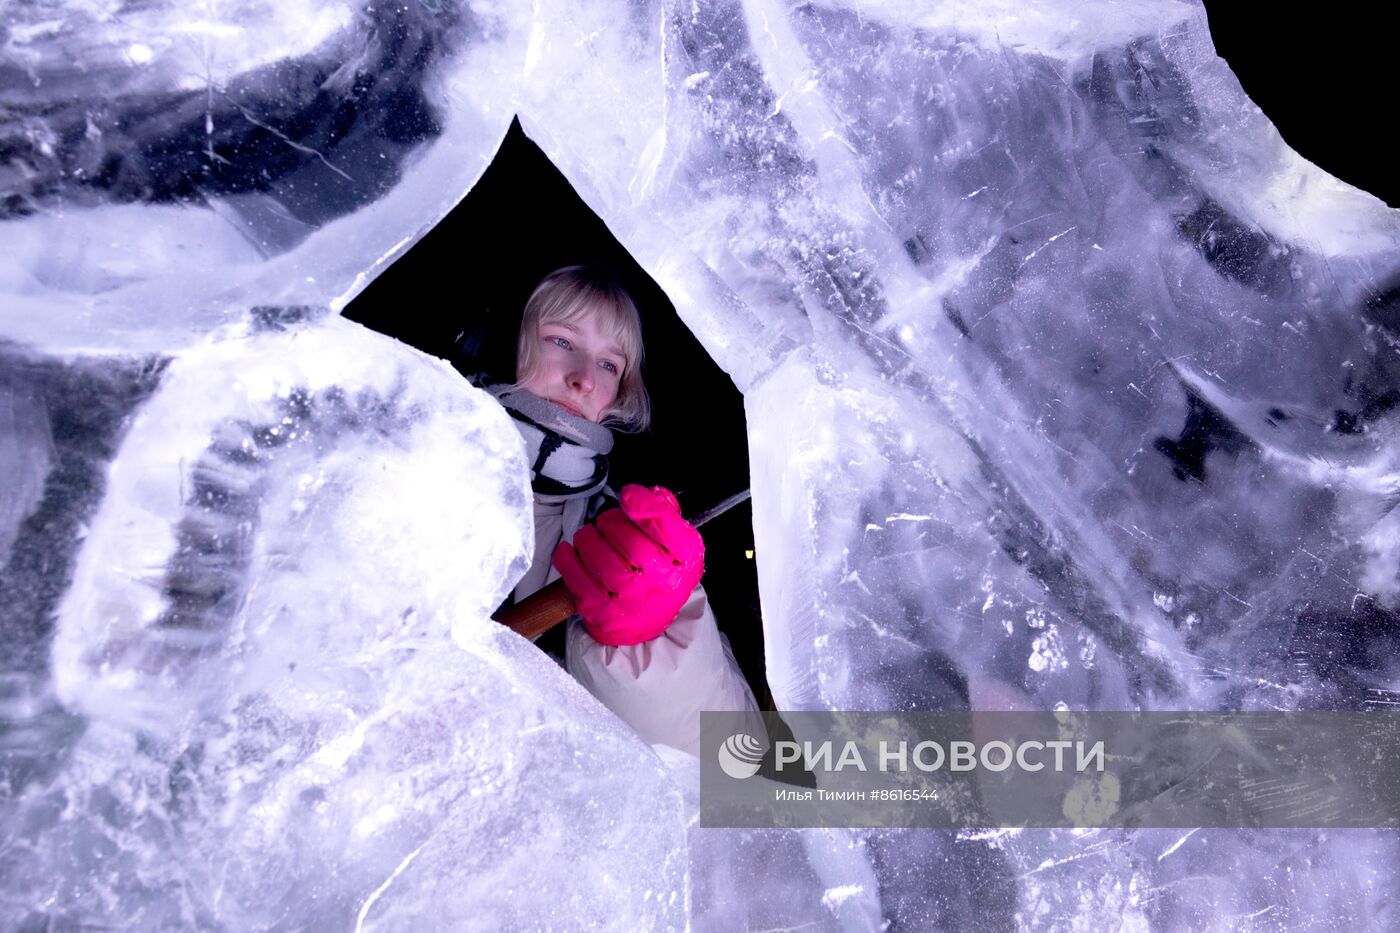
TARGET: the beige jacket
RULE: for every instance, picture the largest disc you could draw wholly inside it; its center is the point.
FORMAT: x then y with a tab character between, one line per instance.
658	687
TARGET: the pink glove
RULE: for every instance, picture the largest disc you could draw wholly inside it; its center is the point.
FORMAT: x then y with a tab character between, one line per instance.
632	571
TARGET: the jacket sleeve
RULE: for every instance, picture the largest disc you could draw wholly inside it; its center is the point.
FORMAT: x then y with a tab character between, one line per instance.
659	687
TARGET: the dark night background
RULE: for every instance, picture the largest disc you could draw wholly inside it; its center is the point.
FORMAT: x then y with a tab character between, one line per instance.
1325	82
1326	77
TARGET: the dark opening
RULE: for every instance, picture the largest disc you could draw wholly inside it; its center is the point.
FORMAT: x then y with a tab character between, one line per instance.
520	222
1318	78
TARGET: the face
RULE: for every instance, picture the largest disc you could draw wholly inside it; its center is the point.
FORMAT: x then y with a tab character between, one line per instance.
580	369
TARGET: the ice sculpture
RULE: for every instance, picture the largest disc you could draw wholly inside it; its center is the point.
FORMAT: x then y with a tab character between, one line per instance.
1067	381
278	698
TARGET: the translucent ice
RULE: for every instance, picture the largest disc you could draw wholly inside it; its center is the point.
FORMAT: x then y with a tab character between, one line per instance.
1067	382
278	697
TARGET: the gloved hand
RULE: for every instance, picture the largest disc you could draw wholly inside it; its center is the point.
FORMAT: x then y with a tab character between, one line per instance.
633	570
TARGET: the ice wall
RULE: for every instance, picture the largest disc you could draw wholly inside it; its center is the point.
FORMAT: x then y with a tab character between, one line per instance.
1068	383
273	696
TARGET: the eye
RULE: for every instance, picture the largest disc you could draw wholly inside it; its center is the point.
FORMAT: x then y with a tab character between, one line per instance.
561	342
609	366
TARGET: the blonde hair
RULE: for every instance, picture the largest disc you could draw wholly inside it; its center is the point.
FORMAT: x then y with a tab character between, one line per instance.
569	294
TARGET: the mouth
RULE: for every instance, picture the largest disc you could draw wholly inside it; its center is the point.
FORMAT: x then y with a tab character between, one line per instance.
570	409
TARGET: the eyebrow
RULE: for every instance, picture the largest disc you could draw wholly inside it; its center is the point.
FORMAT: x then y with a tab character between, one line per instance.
611	348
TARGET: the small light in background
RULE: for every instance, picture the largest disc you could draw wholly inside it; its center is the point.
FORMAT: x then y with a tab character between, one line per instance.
749	553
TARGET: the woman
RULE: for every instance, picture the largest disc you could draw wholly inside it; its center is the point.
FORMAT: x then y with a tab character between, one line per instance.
646	645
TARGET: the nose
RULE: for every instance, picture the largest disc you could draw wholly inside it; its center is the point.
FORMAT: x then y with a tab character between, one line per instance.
580	377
